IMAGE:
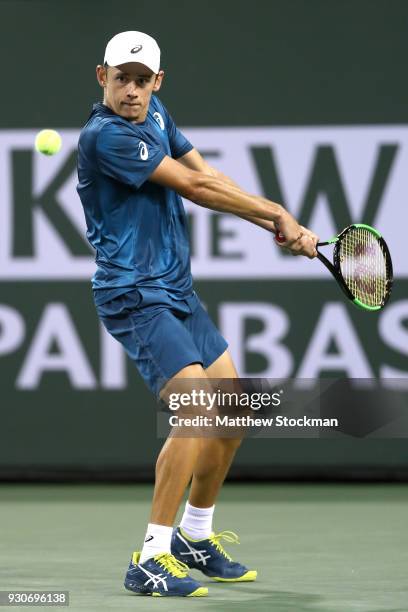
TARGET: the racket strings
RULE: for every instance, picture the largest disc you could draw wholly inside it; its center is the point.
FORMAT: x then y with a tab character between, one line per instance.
363	266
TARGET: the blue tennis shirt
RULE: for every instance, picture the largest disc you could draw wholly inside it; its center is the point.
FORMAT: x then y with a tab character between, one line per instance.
138	228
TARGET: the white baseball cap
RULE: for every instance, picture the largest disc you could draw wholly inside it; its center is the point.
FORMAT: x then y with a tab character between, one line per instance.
133	47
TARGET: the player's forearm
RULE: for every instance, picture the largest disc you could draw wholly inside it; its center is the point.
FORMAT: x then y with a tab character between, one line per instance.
257	210
207	169
193	179
264	223
215	194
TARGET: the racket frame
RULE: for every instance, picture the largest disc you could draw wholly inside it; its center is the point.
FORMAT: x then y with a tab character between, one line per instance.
335	269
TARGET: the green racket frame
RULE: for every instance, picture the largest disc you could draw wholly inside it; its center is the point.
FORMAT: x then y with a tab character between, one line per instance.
335	269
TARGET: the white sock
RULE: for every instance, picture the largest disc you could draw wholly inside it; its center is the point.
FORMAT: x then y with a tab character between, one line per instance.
157	540
197	522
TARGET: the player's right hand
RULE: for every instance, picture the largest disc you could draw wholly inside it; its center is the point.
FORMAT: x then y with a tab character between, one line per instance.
297	240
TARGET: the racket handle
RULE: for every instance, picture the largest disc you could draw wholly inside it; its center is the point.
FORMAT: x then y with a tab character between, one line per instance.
279	237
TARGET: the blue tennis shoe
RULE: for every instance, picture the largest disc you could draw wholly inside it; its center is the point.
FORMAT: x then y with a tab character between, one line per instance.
162	576
210	557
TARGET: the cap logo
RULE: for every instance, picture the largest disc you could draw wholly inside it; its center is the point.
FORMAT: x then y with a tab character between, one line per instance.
136	49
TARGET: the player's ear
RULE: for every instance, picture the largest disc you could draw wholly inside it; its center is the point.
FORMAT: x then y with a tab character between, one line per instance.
159	80
101	75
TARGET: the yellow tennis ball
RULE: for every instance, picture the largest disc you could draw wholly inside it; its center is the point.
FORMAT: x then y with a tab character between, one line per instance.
48	142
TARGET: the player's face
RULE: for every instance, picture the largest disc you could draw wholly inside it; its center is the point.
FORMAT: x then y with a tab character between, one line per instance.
128	89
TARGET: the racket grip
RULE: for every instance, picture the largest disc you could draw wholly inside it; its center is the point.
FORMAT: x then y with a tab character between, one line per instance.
280	237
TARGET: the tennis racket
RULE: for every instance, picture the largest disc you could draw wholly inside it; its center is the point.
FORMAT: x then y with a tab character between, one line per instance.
361	265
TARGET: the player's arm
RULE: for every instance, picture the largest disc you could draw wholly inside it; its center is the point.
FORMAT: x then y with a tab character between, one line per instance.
214	193
209	191
195	161
265	224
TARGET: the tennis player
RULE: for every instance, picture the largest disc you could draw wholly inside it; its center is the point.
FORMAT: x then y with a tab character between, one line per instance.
133	167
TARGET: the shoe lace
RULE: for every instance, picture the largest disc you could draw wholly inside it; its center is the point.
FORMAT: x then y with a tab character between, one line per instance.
172	565
228	536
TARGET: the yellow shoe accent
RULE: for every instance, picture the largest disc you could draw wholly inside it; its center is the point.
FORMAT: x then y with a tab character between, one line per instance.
172	565
249	576
228	536
200	592
136	557
156	594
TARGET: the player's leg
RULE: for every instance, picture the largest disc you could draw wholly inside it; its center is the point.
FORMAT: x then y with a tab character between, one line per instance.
216	454
174	469
207	459
194	541
176	461
146	322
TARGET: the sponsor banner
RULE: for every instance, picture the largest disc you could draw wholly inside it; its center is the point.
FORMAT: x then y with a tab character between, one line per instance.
51	339
72	400
328	177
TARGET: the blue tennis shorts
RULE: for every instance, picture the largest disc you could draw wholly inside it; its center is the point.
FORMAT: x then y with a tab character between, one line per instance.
162	335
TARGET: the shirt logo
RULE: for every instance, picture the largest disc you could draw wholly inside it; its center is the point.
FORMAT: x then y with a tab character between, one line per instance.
144	153
159	119
136	49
